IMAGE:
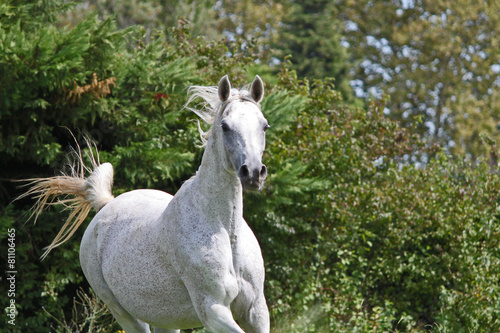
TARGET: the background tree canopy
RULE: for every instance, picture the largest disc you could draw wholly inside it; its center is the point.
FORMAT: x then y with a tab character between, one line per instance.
356	236
438	61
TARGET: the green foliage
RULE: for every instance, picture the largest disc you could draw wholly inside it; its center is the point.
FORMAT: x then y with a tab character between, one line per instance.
420	53
93	79
310	33
356	241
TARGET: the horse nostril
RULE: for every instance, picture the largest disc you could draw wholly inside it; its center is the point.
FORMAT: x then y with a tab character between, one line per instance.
244	173
263	171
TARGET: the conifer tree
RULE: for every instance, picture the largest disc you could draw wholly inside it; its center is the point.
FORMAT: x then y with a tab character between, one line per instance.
89	79
310	33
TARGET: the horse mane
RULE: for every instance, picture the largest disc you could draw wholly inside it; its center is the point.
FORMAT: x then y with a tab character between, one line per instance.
212	106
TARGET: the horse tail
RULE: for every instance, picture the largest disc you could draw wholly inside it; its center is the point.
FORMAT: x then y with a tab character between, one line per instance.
80	195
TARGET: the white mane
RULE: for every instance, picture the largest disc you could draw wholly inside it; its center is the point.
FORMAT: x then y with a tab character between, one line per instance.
212	106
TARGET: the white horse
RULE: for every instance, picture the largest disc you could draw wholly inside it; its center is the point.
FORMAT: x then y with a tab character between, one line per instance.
183	261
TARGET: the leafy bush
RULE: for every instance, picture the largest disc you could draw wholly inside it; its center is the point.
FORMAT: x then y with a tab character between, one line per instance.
357	240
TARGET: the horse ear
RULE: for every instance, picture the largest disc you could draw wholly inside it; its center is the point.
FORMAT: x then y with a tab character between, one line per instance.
257	89
224	88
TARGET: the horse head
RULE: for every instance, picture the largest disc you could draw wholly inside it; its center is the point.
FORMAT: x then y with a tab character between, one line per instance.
242	127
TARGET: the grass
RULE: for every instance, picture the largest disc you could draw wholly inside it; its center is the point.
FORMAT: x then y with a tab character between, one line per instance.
89	314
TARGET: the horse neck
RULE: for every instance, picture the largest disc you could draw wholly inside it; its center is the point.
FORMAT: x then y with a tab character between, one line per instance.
219	190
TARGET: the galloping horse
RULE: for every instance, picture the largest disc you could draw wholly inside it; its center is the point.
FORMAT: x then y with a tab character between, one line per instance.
183	261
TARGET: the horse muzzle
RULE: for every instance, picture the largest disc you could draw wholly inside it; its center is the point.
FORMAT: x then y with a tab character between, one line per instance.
252	178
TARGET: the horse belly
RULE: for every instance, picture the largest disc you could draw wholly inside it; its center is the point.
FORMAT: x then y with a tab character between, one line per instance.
151	293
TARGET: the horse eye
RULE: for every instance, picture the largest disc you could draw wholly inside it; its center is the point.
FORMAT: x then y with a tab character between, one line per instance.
266	127
225	126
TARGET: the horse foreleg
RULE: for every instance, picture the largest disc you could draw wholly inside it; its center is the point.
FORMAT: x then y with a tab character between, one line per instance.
218	318
256	319
211	302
